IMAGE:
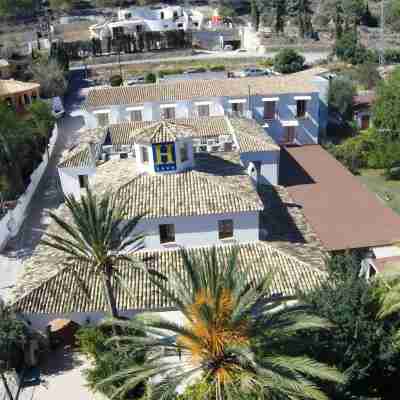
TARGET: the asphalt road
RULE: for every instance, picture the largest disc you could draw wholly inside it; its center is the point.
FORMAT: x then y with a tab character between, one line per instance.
48	195
311	57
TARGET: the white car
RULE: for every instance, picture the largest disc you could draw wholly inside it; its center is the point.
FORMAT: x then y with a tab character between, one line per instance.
252	72
136	80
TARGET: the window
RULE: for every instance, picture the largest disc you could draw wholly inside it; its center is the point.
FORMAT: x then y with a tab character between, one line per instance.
237	109
228	146
168	113
301	108
225	229
203	110
83	181
167	233
290	134
102	119
118	32
145	155
123	156
269	109
162	15
184	152
136	115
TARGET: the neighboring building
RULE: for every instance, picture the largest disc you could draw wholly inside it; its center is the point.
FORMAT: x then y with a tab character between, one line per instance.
18	94
287	106
5	69
362	104
141	19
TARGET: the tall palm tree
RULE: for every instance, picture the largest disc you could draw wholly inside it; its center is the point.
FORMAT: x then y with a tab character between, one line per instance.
97	239
232	340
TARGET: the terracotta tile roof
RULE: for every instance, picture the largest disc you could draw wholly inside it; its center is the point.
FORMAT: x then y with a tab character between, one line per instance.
81	158
124	133
60	293
342	211
251	136
79	155
185	194
10	86
192	89
162	132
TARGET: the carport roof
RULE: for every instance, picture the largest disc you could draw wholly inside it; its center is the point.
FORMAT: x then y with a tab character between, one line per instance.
341	210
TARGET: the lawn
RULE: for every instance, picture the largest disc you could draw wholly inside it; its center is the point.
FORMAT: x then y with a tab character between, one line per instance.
388	191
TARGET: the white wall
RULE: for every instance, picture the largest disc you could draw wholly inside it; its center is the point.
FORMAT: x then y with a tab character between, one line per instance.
307	131
69	178
200	230
13	219
41	321
269	168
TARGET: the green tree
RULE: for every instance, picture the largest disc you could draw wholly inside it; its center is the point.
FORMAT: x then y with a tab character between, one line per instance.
278	8
232	340
12	138
51	77
341	96
99	238
367	75
348	49
386	108
41	120
16	7
255	15
360	343
13	337
288	61
302	11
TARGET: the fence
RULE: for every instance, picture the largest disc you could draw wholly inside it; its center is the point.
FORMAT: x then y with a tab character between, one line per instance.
12	221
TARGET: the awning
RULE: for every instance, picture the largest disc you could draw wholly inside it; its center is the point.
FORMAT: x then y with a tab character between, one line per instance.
302	97
167	105
137	108
270	99
203	103
101	111
290	123
238	101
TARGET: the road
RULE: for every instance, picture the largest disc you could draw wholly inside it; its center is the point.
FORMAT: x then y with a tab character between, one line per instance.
311	57
47	197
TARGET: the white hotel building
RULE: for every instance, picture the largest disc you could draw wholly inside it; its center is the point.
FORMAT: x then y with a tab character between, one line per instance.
202	173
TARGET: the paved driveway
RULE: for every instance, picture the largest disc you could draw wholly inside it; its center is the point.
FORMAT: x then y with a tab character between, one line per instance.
48	195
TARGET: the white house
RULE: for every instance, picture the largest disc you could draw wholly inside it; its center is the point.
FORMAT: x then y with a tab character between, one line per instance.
140	19
287	106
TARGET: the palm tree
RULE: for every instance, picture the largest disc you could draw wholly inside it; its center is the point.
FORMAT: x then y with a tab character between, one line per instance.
97	239
232	341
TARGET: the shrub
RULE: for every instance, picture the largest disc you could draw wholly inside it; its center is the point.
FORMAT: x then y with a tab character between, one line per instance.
95	343
150	78
217	68
116	80
356	152
172	71
288	61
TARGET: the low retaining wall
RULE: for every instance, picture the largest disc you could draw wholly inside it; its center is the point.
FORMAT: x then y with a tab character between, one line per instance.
12	221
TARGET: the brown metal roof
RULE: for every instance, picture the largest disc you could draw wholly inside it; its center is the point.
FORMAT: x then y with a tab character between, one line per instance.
342	211
387	265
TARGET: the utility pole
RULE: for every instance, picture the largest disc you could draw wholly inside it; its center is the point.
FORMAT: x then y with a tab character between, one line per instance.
382	35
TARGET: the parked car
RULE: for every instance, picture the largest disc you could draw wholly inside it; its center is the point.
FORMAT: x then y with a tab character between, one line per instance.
252	72
135	80
228	47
